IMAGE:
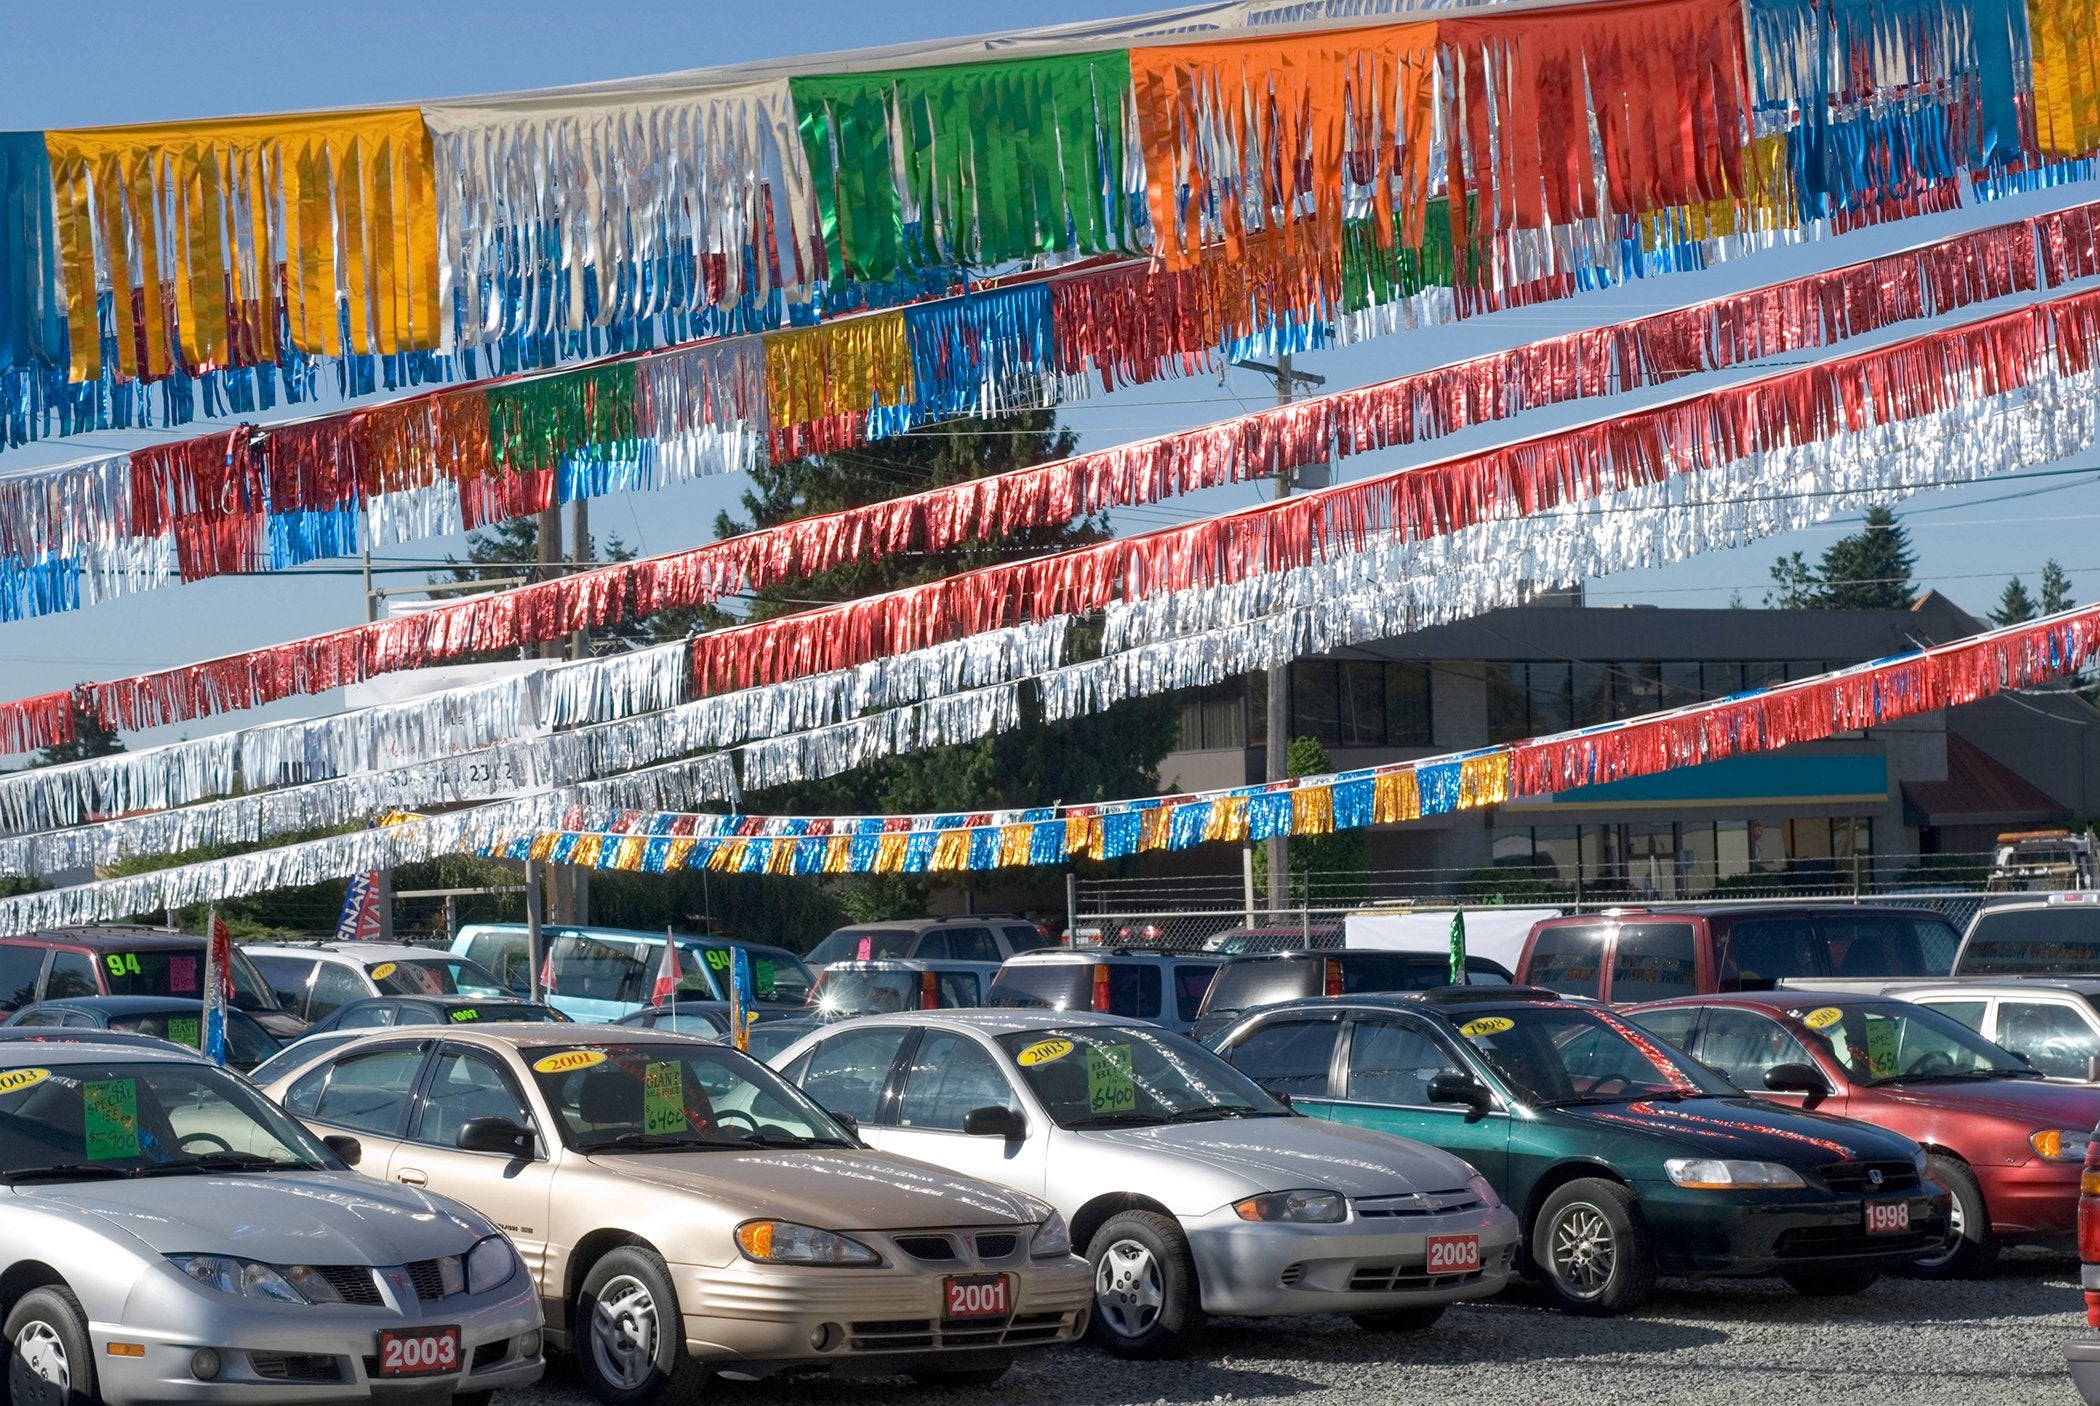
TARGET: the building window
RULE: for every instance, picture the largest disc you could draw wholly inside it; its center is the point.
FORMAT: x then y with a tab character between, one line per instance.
1508	702
1407	719
1214	718
1337	702
1690	859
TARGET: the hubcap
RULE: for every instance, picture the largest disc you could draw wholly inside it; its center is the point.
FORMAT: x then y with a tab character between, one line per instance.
40	1370
623	1332
1583	1250
1127	1288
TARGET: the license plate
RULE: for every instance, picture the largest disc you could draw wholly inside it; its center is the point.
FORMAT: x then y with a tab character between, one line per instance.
1888	1217
429	1352
1454	1254
978	1296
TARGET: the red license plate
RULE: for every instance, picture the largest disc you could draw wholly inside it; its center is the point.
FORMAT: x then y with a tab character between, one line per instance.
1888	1217
430	1352
1454	1254
977	1296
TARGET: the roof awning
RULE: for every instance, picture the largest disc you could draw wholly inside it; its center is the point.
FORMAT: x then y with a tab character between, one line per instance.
1979	790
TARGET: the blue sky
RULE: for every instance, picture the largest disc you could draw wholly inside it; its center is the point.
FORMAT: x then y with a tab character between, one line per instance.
142	62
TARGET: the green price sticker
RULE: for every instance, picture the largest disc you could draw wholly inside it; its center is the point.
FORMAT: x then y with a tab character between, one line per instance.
1110	1085
465	1014
663	1097
111	1118
762	977
184	1030
718	958
1881	1046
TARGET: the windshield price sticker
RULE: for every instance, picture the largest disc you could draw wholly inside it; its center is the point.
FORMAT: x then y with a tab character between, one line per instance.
1110	1085
1881	1046
384	970
465	1014
183	1030
122	963
1485	1026
14	1081
1042	1052
762	978
110	1109
1822	1018
567	1060
663	1097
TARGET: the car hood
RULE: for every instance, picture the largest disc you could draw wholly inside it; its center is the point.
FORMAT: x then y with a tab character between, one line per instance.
2030	1100
1742	1128
1283	1154
276	1217
838	1188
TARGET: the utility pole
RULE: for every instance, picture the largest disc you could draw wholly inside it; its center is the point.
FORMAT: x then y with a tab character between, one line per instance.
579	647
561	889
383	879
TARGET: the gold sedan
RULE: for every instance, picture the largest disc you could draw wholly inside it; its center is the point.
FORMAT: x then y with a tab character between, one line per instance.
685	1210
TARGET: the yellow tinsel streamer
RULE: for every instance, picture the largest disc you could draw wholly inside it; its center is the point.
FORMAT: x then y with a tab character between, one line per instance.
889	851
2066	38
1013	845
838	855
782	859
1082	836
1157	826
840	368
1312	810
1394	798
681	850
628	857
951	852
543	844
1483	781
1228	819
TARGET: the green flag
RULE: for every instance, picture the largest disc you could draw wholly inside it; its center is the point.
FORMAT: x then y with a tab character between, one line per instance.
1458	947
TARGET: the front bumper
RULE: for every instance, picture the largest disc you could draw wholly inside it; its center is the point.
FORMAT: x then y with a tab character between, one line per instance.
2034	1201
1729	1233
293	1353
1361	1265
763	1317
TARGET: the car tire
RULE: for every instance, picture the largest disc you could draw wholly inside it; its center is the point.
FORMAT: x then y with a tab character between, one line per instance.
49	1359
1591	1249
1837	1281
1400	1320
1971	1248
1146	1303
959	1376
629	1338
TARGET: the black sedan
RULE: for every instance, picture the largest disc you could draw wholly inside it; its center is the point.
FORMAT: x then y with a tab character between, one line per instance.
168	1018
375	1011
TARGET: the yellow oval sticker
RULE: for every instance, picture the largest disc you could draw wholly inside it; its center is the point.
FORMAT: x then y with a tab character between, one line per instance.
1823	1018
1486	1025
383	971
567	1060
16	1080
1042	1052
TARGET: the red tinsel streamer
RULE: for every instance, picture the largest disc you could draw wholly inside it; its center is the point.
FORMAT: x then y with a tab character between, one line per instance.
406	445
1813	709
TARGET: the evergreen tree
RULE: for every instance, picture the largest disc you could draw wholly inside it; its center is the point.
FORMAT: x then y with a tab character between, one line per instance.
2014	605
2056	588
1869	570
90	739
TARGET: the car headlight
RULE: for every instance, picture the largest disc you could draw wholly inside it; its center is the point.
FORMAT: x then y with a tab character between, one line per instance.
1923	1163
784	1242
1718	1174
490	1265
1303	1207
1486	1193
1053	1239
248	1279
2060	1144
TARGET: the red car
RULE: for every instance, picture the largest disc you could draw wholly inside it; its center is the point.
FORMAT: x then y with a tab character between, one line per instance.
2006	1142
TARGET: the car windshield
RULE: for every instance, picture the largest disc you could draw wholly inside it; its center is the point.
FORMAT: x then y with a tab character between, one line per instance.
93	1120
1092	1076
1891	1042
434	976
671	1096
1558	1056
849	993
247	1044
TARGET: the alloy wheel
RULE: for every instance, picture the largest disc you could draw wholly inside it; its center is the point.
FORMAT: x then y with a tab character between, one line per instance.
1127	1288
1583	1250
40	1370
624	1332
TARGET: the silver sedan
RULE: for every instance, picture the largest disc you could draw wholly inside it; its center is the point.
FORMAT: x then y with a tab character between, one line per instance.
166	1235
1192	1191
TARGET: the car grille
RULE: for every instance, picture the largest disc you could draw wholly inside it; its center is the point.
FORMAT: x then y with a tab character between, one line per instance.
1858	1176
1426	1203
1834	1241
996	1247
354	1282
1399	1278
296	1367
427	1278
919	1334
936	1248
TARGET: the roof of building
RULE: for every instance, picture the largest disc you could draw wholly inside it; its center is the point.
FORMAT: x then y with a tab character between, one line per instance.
1979	790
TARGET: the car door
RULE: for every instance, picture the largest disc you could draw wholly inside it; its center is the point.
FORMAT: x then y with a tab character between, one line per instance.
72	975
947	1074
850	1072
1291	1056
466	1083
1742	1046
368	1093
1387	1063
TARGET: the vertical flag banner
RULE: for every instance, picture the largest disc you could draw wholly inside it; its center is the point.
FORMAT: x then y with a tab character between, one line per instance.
359	920
740	998
666	973
218	987
1458	947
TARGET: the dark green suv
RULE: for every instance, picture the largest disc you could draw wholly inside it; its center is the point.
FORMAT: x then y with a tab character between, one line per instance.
1623	1158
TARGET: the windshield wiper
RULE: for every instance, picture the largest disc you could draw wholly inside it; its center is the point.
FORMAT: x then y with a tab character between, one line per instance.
1211	1112
787	1140
70	1171
225	1162
1115	1120
649	1142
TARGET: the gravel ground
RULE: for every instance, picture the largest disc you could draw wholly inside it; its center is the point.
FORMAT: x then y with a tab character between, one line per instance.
1739	1342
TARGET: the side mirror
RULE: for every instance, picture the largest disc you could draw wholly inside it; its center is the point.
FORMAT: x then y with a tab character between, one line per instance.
348	1148
847	1121
1798	1079
1462	1088
494	1135
2092	1069
995	1122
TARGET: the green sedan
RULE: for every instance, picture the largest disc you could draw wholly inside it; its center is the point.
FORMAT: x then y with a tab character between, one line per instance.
1623	1158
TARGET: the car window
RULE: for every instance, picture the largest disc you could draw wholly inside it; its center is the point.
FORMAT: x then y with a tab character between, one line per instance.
1241	985
2063	940
1672	1027
368	1090
934	947
1190	985
1569	958
1969	1013
1654	961
950	1075
846	1074
1886	1042
699	1023
247	1044
72	975
287	978
1391	1062
2055	1038
505	954
364	1017
1287	1056
1103	1076
37	1018
1057	986
335	986
959	989
973	945
290	1057
862	945
19	969
1743	1044
1753	954
464	1085
1870	945
1021	938
594	969
1561	1054
1937	944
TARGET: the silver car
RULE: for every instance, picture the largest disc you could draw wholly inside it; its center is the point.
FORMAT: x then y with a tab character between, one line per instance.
1191	1190
168	1235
